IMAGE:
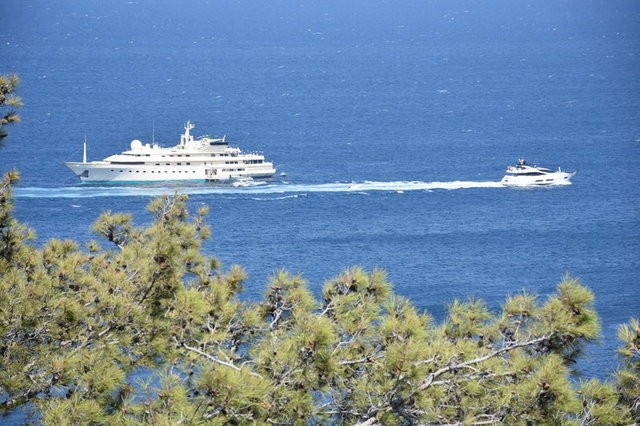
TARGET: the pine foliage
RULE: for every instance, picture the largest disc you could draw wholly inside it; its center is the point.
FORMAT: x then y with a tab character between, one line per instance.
150	330
9	102
628	377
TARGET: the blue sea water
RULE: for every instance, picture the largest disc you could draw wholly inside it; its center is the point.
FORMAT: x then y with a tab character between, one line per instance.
392	120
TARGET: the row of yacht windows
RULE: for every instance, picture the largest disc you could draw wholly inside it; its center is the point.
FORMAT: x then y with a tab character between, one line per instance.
172	171
177	164
244	162
149	155
527	174
226	162
531	174
212	155
188	163
181	155
152	171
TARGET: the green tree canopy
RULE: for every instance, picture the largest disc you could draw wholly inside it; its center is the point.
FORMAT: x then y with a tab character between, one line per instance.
8	102
148	329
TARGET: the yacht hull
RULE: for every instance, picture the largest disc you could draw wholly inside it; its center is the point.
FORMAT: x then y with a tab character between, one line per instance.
557	178
105	173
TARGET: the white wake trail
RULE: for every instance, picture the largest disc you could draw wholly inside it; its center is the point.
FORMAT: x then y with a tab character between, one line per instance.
90	191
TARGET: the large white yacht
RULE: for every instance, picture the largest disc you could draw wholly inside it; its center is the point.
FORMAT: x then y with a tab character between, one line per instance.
523	174
198	160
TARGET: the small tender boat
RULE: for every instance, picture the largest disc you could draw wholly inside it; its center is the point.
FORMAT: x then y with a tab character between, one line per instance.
523	174
241	181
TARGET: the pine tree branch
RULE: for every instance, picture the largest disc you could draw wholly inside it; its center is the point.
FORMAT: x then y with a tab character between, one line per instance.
453	366
426	361
361	360
276	317
372	421
149	288
91	339
218	360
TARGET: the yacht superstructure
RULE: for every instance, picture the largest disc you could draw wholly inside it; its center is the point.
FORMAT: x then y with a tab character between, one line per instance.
523	174
193	159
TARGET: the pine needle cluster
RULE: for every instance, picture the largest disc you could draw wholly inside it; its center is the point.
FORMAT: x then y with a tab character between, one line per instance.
9	102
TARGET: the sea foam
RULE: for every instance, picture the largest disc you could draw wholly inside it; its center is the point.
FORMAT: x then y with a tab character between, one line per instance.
91	191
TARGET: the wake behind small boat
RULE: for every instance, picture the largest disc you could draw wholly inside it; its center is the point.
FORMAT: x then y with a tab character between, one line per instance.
523	174
203	159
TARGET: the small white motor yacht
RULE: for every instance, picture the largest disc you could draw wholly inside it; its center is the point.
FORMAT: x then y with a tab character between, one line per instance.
523	174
